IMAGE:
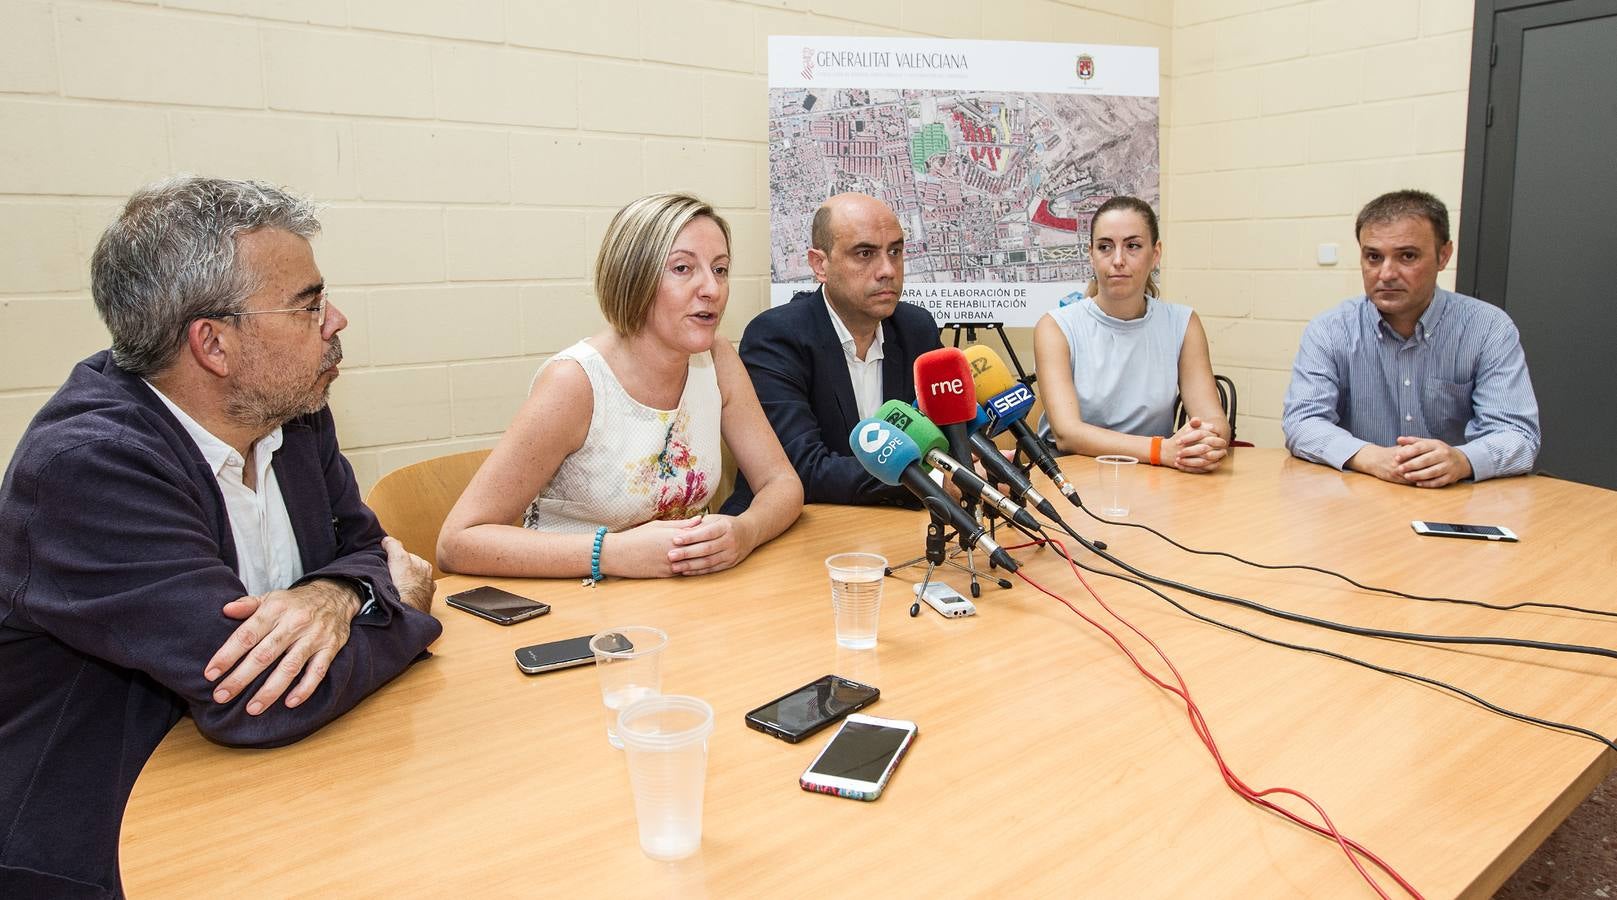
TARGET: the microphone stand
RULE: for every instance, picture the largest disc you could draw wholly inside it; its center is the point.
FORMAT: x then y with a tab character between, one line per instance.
938	538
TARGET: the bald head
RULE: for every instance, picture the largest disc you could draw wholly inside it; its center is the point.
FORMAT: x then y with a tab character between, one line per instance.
834	211
858	254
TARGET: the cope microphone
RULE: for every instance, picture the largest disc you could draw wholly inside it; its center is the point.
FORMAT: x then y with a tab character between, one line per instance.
931	442
945	393
998	390
893	458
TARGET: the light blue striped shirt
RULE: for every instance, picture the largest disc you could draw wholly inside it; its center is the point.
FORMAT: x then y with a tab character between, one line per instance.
1461	378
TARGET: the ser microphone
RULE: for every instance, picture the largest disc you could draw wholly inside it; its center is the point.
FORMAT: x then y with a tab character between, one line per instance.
1005	473
931	442
894	458
994	382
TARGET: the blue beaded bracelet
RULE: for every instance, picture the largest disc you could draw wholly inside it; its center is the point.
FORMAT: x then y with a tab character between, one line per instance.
595	555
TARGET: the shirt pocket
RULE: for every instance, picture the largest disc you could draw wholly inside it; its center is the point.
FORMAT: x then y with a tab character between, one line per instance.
1448	404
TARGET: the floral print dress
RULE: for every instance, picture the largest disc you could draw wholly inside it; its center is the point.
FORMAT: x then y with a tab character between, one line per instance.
637	463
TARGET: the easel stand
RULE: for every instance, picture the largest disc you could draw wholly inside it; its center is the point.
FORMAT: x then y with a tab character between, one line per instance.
968	331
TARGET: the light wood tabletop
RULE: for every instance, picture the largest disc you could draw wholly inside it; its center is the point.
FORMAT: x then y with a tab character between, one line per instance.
1044	763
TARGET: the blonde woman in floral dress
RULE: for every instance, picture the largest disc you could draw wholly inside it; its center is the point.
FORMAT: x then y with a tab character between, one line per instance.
613	458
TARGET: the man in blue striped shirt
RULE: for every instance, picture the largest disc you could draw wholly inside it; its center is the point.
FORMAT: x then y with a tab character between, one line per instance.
1408	382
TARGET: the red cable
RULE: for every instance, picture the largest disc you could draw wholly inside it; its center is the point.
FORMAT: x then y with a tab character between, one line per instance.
1205	734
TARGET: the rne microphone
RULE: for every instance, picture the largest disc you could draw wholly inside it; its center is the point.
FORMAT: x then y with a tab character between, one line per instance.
945	393
931	443
894	458
993	381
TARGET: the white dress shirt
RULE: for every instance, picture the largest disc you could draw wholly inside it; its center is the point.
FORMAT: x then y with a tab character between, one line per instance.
864	373
266	548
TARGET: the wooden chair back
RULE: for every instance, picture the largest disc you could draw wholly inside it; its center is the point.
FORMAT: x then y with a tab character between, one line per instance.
412	502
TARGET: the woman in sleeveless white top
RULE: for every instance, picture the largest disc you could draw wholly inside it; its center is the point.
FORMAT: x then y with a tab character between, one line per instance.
611	463
638	463
1112	364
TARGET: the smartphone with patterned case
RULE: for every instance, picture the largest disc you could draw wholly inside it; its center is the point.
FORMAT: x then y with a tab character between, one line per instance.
859	759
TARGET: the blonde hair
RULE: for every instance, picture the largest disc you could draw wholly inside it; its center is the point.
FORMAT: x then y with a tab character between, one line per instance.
629	267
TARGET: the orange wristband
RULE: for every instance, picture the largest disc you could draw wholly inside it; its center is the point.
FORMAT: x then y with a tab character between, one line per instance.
1156	451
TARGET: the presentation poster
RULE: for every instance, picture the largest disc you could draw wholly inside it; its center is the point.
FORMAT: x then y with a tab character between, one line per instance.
992	153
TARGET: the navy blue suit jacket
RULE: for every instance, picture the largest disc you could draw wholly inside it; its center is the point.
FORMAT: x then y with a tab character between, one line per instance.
798	369
116	557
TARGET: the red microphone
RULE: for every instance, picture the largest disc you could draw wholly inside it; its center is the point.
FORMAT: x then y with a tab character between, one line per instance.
945	393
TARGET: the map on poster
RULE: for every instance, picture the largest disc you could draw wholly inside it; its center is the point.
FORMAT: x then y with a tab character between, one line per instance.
993	155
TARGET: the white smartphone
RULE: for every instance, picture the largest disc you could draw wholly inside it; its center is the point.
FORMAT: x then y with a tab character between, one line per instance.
1450	529
949	602
859	758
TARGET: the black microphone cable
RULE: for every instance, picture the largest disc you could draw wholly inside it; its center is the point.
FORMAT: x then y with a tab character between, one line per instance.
1391	592
1329	624
1343	657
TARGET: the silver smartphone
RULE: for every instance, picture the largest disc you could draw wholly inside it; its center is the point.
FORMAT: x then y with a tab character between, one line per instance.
1476	532
565	654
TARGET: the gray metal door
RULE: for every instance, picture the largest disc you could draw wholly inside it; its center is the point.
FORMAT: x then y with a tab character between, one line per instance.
1539	236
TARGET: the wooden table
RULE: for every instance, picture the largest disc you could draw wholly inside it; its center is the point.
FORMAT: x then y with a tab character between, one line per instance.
1044	764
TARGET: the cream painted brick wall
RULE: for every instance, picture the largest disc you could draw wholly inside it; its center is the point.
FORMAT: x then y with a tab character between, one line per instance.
510	244
471	154
104	52
27	48
487	394
39	249
348	72
565	170
63	148
1373	95
432	163
316	155
444	323
309	12
536	88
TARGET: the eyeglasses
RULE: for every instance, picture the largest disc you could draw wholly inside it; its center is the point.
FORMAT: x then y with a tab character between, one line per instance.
318	308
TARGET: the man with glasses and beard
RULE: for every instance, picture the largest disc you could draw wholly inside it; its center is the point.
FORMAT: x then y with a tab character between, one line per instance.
179	533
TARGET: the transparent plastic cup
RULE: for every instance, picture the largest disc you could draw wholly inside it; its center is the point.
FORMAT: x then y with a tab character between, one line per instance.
629	662
856	585
1116	483
665	741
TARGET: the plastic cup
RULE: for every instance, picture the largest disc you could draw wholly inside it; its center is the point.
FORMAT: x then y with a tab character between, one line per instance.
665	741
856	583
629	662
1116	483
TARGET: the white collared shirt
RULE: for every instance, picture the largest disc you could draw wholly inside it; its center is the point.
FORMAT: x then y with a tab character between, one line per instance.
864	373
266	547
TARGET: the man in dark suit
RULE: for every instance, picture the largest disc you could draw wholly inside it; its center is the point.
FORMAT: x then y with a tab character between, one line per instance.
179	534
832	356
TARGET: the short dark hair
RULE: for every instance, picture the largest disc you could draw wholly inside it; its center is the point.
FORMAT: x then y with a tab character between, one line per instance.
1405	204
820	231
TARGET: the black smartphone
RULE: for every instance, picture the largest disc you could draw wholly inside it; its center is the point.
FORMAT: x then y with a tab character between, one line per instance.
811	707
565	654
496	605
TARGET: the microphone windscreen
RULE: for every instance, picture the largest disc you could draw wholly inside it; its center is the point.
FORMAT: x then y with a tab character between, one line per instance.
988	372
882	449
1008	407
980	422
943	386
909	420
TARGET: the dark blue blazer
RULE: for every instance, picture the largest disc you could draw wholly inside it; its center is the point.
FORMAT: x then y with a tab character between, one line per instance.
801	376
116	557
